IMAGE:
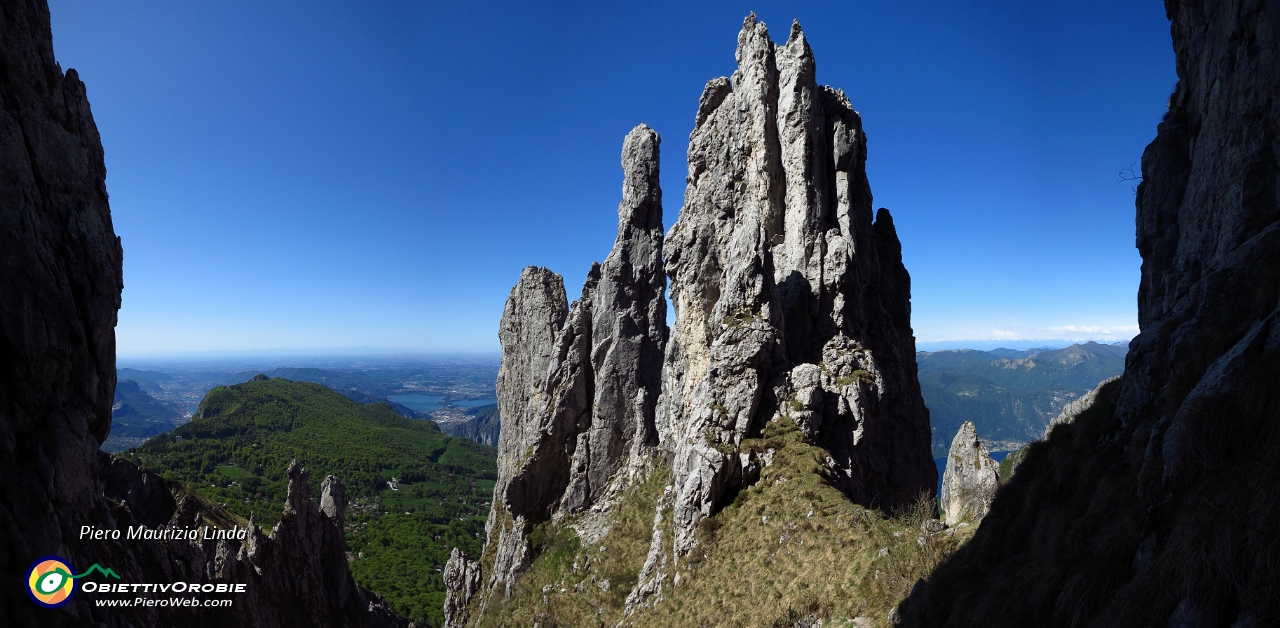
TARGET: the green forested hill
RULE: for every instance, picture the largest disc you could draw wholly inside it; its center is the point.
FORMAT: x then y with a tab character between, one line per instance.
237	447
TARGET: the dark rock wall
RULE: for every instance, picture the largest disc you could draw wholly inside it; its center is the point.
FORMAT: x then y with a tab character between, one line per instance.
60	264
1157	505
60	286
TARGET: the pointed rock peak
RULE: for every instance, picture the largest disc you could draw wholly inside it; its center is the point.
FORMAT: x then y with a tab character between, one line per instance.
797	45
333	498
593	280
713	94
753	41
970	481
541	290
796	32
299	492
884	221
641	204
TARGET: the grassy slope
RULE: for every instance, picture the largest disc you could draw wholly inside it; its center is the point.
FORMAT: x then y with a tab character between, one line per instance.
787	547
248	433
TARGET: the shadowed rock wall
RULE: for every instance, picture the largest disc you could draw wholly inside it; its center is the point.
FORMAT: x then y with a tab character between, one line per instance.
60	286
1156	505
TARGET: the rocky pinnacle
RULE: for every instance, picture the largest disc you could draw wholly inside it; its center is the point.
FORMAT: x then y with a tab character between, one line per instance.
790	301
579	383
970	481
791	304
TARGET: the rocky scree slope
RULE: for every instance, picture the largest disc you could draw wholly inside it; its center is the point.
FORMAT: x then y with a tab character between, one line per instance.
792	305
61	264
1157	505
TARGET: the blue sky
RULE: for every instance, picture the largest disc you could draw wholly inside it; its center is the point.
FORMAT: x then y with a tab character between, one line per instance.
372	176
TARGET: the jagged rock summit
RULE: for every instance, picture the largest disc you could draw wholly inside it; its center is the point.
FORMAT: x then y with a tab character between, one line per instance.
970	481
792	304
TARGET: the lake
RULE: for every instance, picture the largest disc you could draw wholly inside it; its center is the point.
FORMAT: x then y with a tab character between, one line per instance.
431	403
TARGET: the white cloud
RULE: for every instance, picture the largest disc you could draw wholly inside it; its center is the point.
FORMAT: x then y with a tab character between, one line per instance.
1065	333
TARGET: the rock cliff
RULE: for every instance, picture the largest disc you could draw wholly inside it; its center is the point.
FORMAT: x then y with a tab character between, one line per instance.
792	304
61	266
969	483
1152	506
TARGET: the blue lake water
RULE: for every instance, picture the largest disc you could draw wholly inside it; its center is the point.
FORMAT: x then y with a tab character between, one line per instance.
420	403
942	465
431	403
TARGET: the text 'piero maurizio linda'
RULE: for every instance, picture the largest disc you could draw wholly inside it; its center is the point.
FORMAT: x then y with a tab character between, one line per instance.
164	533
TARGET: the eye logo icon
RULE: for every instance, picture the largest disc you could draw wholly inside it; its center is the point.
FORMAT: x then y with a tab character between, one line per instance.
50	583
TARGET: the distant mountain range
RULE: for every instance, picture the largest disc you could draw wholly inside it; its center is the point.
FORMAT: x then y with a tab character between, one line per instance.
480	425
137	416
1010	395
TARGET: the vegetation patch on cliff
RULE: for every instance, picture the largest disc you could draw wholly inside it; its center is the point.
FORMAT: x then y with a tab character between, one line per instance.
791	547
571	584
788	547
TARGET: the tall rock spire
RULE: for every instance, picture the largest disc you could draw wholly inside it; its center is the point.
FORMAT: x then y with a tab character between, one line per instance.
579	383
783	286
791	304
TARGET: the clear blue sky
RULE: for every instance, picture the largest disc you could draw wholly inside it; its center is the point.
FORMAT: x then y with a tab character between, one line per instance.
372	176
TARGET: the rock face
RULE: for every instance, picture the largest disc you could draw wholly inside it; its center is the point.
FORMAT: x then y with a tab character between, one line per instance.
61	266
461	581
970	481
791	302
1172	469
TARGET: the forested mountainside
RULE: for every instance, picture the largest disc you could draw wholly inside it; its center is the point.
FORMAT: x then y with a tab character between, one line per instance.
414	492
137	416
1009	395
